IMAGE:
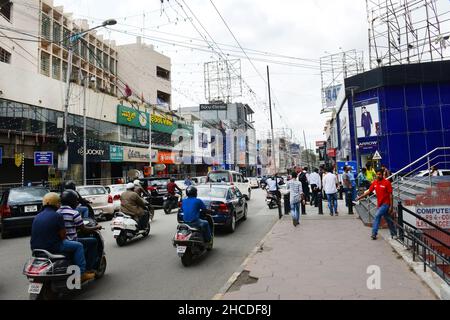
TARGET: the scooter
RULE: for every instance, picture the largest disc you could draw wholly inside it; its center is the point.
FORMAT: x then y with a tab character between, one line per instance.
125	228
49	273
271	200
170	203
189	241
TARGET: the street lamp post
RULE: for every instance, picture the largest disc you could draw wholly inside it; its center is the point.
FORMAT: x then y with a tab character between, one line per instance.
64	158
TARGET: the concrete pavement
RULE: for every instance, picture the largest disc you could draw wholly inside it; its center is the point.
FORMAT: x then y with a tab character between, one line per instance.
322	259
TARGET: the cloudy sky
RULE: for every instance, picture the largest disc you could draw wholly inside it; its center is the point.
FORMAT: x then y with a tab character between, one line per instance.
306	29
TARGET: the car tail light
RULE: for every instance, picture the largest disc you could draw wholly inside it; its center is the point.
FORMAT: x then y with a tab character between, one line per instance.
151	189
110	199
117	197
5	211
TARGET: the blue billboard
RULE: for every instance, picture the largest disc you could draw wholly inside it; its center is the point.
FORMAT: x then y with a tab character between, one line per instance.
44	158
342	165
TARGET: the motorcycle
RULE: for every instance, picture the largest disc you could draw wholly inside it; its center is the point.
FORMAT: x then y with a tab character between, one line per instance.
189	241
271	200
171	202
125	228
48	273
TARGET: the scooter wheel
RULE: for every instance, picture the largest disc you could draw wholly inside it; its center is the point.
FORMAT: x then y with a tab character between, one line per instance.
121	240
147	231
186	259
100	272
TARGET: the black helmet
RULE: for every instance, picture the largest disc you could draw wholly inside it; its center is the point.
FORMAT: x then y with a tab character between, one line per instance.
69	198
191	192
172	179
70	185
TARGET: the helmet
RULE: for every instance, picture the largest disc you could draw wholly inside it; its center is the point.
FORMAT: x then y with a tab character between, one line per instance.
191	192
137	183
70	198
130	186
70	185
51	199
172	179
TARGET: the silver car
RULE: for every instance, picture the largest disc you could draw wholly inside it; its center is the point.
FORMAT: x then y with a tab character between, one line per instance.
101	201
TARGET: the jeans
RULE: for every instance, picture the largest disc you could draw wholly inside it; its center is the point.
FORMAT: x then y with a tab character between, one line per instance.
90	247
295	211
84	211
314	198
77	249
383	211
204	226
332	202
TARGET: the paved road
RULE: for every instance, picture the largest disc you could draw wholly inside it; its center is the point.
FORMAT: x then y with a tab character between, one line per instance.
150	268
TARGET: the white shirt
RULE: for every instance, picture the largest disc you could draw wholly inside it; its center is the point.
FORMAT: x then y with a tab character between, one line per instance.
329	183
296	191
314	178
272	185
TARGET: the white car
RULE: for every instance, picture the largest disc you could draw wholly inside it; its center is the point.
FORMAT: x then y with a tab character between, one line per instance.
426	173
101	201
116	190
231	177
254	183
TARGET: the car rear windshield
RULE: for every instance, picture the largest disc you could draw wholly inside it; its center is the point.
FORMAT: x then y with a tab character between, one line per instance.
158	183
26	195
212	192
118	189
219	177
91	191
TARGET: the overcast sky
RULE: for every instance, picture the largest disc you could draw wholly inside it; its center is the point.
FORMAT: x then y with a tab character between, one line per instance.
306	29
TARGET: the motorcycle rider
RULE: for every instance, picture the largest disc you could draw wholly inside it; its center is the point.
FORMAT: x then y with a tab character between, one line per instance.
139	189
172	188
133	205
74	222
83	203
192	207
48	233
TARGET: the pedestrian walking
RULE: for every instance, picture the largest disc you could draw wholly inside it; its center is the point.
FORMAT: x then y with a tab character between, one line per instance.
316	187
296	196
383	189
303	178
330	185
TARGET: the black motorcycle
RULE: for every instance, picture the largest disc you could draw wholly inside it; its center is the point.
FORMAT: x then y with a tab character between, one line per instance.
171	202
190	242
49	273
272	200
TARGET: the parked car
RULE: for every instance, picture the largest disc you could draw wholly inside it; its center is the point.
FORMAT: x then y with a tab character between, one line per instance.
232	177
101	201
157	188
18	207
116	190
426	173
228	204
254	183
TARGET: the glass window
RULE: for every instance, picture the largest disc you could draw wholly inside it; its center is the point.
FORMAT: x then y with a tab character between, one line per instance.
26	195
91	191
5	56
212	192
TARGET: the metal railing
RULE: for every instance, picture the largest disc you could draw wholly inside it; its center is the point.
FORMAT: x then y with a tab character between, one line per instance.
402	175
430	244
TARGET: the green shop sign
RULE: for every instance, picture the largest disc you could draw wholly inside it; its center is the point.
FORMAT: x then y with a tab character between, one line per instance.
139	119
116	153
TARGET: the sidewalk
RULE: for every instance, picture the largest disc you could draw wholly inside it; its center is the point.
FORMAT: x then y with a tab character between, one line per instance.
325	258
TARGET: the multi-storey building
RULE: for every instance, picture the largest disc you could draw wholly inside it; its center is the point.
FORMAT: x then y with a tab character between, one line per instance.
34	57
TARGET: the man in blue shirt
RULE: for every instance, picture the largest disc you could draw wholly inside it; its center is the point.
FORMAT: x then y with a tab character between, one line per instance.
188	182
49	233
192	207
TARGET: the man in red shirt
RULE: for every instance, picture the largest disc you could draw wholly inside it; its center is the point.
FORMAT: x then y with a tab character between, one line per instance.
383	189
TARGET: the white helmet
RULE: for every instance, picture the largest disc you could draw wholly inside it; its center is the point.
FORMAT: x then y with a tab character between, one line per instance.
130	186
137	183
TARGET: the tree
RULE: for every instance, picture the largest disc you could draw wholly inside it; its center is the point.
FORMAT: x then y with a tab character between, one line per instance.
309	158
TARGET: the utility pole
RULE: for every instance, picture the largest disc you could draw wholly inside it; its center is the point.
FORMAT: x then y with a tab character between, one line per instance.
271	122
63	161
307	151
150	138
84	132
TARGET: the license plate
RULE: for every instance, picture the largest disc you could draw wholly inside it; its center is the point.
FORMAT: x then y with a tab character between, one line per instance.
35	288
181	249
29	209
116	233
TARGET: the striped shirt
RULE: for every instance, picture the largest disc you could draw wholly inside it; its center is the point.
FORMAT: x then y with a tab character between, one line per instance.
296	190
72	220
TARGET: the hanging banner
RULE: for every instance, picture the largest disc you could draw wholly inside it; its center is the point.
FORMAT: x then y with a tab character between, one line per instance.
43	158
116	153
18	158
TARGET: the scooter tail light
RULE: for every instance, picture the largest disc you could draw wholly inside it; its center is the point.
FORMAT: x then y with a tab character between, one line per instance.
183	237
35	268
